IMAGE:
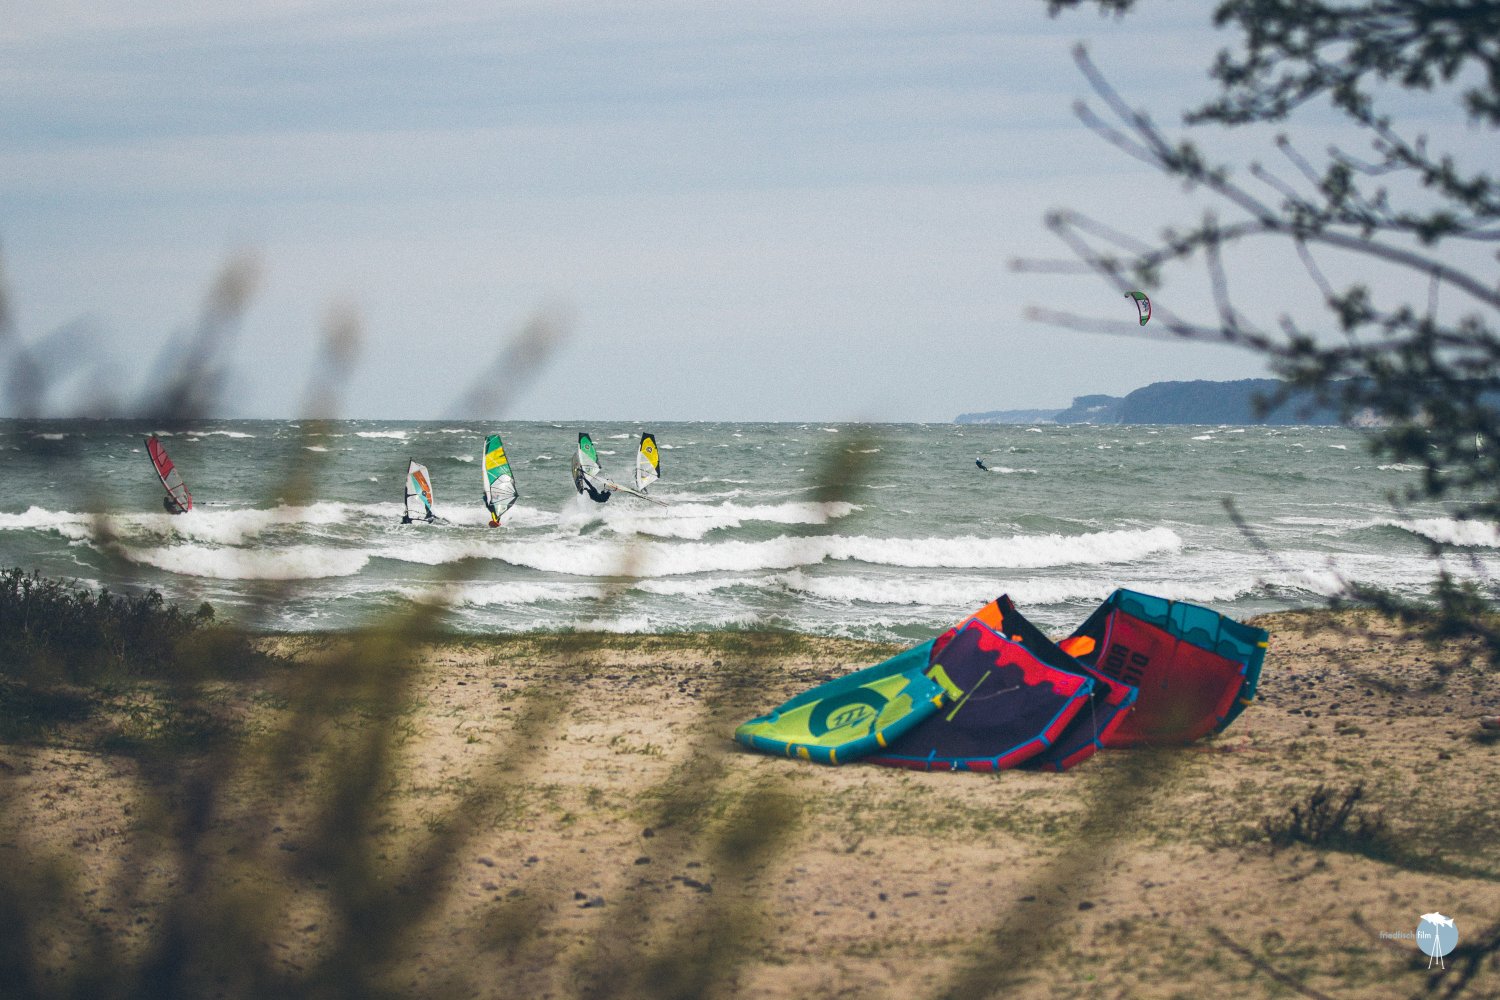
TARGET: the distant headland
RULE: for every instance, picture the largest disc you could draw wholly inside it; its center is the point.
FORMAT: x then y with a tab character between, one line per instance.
1201	402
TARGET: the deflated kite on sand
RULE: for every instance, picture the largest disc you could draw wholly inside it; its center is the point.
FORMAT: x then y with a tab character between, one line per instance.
994	692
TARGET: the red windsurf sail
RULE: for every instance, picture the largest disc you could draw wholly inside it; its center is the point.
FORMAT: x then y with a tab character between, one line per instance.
178	496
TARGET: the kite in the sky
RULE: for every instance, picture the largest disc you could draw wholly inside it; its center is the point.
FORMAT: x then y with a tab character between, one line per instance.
1142	305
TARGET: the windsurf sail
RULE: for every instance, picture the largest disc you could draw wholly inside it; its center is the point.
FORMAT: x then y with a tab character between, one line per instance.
647	462
499	482
1196	669
852	716
178	499
587	476
1142	305
418	494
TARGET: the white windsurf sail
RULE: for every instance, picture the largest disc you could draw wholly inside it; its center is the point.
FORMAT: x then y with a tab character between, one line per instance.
418	494
499	482
647	462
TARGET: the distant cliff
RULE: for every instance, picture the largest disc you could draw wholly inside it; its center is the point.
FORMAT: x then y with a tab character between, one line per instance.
1199	403
1175	403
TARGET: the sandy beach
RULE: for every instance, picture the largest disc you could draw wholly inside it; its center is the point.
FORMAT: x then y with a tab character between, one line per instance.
569	816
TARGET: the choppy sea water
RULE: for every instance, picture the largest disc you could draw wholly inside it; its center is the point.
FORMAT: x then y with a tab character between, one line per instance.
872	531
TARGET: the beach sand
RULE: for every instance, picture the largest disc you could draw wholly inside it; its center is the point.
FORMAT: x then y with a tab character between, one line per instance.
569	816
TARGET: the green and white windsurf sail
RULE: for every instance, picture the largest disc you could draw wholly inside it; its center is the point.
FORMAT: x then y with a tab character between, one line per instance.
499	482
587	476
647	462
418	493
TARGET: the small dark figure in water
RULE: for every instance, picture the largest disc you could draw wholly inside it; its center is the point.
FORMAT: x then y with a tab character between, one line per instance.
980	462
172	506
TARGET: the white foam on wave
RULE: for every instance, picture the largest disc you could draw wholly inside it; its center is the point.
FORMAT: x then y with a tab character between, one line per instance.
1400	467
234	527
40	518
503	594
1452	531
596	557
296	562
1005	470
392	435
1015	552
694	520
698	586
961	595
228	434
224	527
314	447
935	592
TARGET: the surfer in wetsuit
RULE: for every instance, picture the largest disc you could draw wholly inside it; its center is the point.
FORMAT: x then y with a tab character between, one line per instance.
494	518
172	506
980	462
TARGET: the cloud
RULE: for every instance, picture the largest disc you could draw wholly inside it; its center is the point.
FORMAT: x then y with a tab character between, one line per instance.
802	212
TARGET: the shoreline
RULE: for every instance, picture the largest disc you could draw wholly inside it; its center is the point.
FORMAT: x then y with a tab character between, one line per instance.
562	814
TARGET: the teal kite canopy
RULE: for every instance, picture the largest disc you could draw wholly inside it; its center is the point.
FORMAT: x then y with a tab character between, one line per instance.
852	716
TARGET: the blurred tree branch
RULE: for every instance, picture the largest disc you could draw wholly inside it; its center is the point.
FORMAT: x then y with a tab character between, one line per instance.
1410	345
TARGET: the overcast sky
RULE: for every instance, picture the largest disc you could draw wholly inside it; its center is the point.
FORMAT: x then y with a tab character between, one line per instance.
745	210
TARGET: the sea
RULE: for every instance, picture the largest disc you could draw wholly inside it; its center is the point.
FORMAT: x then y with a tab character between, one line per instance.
875	531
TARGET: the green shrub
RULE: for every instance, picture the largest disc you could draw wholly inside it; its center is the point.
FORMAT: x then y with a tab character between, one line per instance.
56	631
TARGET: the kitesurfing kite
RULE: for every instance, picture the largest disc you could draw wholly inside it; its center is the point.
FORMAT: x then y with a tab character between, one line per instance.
1008	704
647	462
499	483
1109	701
178	500
993	692
1196	669
851	716
1142	305
419	489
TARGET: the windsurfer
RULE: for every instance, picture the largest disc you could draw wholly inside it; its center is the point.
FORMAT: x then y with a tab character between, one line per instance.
582	484
980	462
172	506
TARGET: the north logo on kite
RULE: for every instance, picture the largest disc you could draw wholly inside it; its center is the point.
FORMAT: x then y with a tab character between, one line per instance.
1142	305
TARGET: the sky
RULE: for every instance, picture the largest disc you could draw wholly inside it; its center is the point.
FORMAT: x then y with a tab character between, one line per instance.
737	211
